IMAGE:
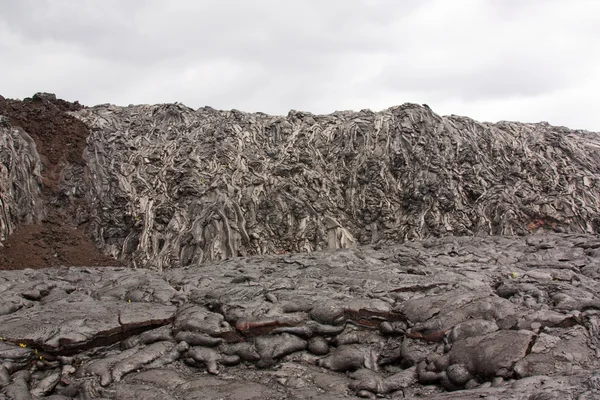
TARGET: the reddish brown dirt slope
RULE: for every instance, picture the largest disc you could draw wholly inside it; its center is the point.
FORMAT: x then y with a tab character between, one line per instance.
60	139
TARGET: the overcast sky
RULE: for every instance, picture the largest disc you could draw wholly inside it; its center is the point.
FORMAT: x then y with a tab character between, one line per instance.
527	60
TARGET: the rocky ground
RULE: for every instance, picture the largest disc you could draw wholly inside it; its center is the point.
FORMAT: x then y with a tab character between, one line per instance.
453	318
397	254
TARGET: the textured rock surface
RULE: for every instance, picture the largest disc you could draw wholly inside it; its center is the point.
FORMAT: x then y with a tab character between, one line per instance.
42	186
20	175
174	187
445	318
275	269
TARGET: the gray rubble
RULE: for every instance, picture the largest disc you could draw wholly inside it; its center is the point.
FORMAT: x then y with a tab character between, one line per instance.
443	318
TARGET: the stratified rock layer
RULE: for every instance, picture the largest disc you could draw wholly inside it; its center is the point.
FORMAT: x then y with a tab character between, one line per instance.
447	318
171	186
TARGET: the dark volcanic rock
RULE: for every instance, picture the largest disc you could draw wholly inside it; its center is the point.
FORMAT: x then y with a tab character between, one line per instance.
376	321
433	315
64	326
493	354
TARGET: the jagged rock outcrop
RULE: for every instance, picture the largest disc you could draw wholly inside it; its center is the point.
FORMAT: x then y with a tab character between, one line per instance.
174	187
20	178
448	318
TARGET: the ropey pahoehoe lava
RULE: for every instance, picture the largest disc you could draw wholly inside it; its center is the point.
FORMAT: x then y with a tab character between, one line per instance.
156	251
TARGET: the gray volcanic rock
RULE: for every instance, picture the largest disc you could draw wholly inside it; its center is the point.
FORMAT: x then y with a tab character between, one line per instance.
20	176
389	255
61	325
493	354
344	323
170	186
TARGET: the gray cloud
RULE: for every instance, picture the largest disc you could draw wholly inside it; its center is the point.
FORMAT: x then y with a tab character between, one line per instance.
504	77
480	58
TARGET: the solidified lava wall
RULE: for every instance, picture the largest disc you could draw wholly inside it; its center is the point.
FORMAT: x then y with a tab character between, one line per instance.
162	186
20	175
172	186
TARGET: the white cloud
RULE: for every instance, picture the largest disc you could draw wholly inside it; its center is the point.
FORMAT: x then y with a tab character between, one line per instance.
492	60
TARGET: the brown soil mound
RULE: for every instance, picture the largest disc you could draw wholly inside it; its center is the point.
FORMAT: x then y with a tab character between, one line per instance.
60	140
